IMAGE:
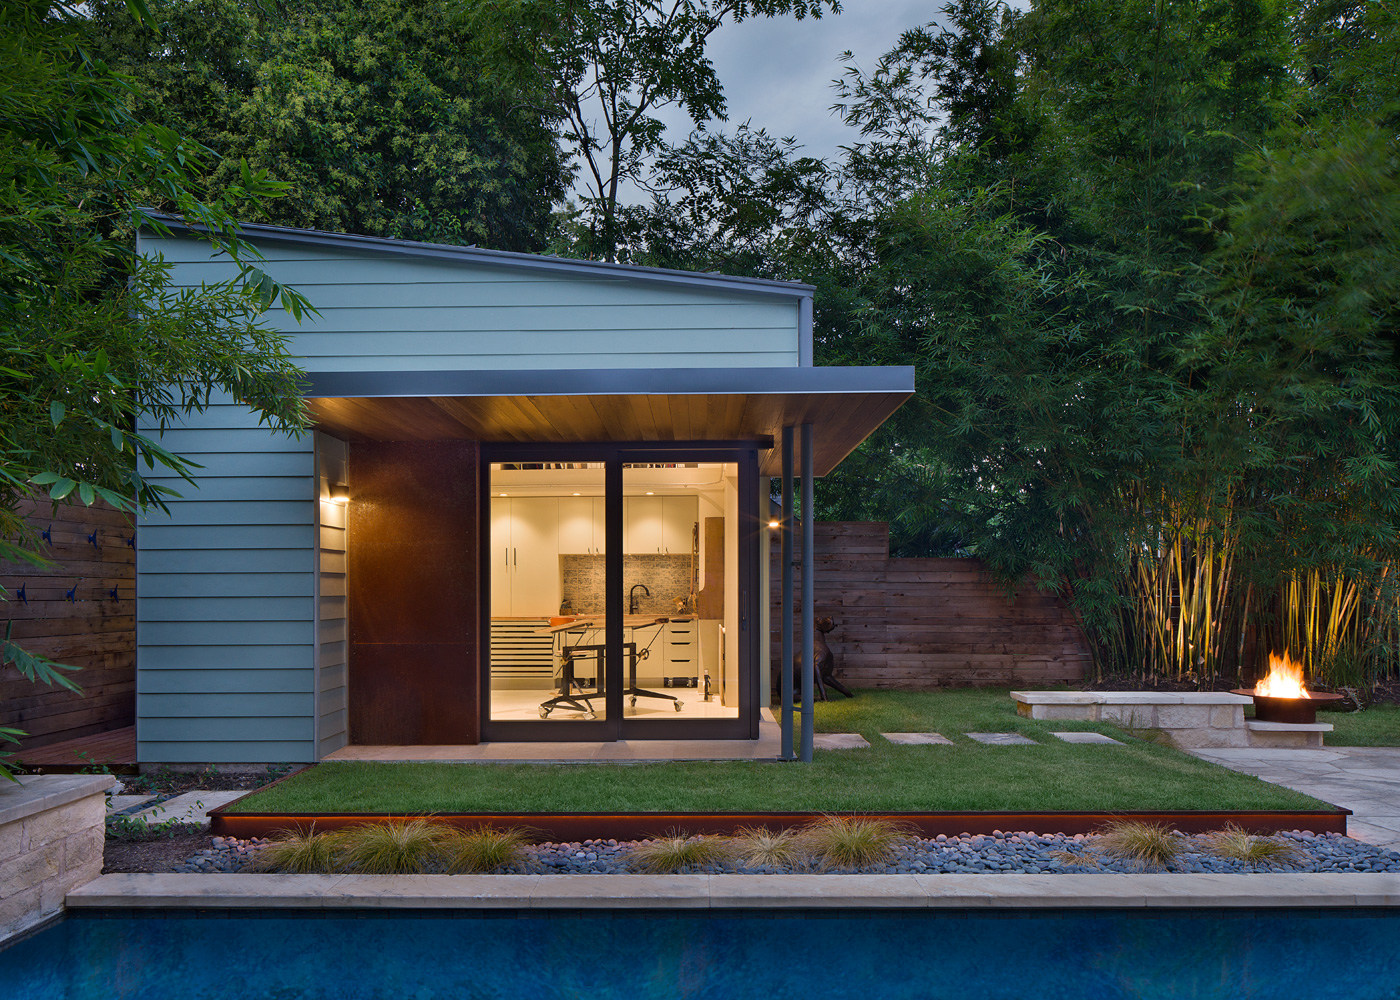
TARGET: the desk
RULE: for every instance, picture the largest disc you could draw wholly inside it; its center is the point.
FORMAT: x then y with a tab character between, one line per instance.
583	701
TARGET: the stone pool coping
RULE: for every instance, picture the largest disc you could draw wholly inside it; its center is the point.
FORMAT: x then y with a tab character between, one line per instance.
129	892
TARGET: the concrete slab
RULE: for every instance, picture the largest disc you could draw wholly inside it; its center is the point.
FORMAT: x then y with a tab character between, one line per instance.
1087	738
613	892
1129	698
918	739
1001	739
121	803
36	793
190	807
839	741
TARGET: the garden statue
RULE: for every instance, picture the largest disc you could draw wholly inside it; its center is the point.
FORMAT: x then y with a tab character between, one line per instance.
825	663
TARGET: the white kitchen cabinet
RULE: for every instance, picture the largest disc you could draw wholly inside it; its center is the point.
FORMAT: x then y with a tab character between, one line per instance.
524	556
677	524
644	525
576	528
500	557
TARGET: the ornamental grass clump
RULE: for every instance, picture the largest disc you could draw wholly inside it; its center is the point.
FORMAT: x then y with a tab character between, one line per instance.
1234	843
392	847
853	841
678	852
485	848
760	847
300	852
1149	844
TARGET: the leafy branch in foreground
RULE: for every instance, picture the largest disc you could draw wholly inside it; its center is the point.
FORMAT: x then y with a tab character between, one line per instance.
92	338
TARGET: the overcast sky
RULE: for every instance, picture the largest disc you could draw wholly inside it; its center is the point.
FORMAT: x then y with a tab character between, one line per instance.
777	73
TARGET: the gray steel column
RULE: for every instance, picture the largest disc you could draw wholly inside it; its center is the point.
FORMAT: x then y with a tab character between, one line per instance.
785	664
808	573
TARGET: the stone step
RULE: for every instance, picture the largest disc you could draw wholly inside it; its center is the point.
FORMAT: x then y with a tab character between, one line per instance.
1087	738
839	741
189	807
121	803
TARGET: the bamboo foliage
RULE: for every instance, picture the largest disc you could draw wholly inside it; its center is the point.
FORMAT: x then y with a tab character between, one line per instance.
1182	618
1342	627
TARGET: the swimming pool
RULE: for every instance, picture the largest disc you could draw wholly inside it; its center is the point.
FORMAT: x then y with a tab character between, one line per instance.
1101	955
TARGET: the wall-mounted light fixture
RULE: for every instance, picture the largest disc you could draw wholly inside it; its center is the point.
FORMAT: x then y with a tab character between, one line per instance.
339	493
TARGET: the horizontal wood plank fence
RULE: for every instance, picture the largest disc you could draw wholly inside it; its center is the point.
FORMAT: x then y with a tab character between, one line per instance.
918	624
81	610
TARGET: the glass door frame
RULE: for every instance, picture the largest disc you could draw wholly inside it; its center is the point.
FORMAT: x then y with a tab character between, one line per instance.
614	725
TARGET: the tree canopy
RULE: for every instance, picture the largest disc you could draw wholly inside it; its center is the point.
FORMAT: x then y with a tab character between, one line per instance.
378	115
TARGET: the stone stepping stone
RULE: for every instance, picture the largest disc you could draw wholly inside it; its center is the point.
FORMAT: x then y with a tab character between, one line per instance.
1087	738
1001	739
917	739
839	741
121	803
191	807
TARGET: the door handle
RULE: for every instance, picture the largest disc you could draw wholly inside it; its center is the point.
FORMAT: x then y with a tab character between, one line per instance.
515	557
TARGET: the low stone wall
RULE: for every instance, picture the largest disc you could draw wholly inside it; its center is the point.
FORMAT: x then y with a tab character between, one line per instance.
1191	719
51	836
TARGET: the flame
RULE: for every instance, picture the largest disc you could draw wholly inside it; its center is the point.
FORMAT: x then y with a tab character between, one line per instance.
1284	680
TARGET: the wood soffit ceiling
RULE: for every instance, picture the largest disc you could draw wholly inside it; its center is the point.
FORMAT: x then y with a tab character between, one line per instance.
841	421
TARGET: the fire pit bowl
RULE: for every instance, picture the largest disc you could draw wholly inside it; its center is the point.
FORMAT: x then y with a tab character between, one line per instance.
1292	710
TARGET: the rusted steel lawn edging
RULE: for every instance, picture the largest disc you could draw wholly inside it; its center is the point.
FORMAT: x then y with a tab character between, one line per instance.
575	826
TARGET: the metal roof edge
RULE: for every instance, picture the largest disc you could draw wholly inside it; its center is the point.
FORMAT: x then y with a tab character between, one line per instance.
505	258
613	381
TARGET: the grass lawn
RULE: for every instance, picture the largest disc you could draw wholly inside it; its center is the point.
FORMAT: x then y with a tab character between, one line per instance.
1377	726
967	776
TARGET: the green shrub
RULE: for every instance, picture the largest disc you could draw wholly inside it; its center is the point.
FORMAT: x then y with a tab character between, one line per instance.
852	841
761	847
301	852
392	847
1150	844
1233	842
678	852
485	848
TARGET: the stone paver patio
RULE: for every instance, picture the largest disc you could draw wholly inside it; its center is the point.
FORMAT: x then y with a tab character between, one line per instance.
1365	780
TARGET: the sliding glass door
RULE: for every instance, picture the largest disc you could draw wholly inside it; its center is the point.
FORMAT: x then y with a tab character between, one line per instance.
620	593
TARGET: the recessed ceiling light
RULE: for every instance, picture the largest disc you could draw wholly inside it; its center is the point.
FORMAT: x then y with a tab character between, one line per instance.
650	494
578	494
500	494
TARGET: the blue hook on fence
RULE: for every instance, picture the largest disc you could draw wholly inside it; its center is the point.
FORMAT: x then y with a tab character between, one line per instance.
24	598
113	593
93	538
131	541
72	594
48	534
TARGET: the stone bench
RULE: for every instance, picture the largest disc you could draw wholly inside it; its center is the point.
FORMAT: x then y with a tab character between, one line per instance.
1191	719
51	837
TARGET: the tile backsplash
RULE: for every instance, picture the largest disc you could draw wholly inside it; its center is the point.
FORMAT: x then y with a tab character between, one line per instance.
666	576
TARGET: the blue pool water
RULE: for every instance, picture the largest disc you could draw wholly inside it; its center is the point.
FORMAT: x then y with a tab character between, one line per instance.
1098	955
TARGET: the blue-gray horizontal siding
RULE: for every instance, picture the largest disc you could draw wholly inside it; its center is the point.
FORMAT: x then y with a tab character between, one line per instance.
332	625
225	588
384	312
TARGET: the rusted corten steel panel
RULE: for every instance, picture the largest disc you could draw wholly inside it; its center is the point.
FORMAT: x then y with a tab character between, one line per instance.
412	585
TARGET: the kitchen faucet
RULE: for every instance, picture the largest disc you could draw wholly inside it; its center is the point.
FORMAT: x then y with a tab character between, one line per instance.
632	597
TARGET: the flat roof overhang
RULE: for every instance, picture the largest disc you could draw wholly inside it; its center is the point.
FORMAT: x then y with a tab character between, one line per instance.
844	405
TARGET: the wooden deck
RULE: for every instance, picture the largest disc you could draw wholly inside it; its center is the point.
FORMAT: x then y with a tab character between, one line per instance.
115	748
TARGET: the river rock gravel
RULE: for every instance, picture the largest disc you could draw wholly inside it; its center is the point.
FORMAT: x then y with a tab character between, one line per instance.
967	854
